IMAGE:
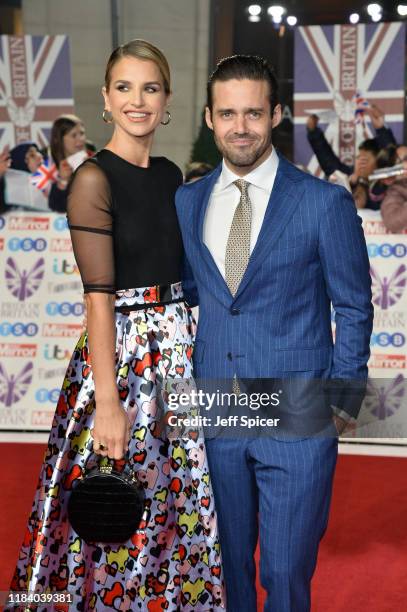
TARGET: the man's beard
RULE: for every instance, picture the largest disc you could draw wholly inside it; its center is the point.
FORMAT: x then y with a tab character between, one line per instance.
247	156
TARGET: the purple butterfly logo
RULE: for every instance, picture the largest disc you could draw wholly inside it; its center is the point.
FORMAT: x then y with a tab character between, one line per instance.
388	291
23	284
385	399
14	386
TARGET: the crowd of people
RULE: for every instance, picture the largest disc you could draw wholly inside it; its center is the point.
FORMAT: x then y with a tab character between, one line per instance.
389	195
68	148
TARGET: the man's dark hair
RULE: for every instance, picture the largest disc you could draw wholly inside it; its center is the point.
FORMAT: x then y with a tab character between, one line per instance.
241	67
387	156
371	145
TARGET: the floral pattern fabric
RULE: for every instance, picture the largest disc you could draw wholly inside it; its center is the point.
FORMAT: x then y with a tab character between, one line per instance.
173	561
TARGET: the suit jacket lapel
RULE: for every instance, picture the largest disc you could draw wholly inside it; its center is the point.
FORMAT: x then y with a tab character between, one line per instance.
284	199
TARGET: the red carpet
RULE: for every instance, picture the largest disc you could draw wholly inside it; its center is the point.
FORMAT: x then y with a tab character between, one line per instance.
362	563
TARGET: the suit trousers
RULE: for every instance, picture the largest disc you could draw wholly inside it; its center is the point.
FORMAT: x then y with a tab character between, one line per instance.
280	490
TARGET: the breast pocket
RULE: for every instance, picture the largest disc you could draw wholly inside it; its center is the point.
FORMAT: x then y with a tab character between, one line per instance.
290	253
288	243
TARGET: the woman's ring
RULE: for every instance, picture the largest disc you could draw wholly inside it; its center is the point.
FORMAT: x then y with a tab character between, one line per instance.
101	447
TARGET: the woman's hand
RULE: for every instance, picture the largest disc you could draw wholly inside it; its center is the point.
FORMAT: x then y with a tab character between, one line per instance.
111	430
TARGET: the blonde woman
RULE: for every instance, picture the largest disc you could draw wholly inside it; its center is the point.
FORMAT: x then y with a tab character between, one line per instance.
128	248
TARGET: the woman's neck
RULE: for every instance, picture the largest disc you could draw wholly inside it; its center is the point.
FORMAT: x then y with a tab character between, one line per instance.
134	149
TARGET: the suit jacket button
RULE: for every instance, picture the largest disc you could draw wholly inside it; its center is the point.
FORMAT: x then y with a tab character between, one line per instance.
230	356
235	311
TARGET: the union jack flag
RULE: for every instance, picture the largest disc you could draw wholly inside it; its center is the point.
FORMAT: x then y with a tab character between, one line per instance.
46	174
35	87
339	67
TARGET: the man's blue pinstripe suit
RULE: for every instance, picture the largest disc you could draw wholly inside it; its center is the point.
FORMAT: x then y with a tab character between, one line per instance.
310	253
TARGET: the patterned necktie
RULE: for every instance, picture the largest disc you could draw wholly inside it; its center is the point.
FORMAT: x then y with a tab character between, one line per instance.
238	248
238	244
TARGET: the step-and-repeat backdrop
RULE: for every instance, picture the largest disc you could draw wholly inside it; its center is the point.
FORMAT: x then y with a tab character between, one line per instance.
41	317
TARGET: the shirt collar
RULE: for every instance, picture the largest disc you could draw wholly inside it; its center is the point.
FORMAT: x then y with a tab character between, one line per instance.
263	176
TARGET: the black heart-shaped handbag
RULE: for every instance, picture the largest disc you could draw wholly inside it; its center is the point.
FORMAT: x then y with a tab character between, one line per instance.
105	505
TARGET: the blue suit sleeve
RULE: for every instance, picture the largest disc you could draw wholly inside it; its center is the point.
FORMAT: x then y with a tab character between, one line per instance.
188	284
187	277
346	269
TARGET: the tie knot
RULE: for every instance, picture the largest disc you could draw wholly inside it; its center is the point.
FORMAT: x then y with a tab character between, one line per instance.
243	186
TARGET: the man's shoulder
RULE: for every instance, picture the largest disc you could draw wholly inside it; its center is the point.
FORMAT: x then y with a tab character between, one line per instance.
312	185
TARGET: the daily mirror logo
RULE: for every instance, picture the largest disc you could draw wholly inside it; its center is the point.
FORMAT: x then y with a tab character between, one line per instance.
29	351
61	245
387	362
375	228
59	330
32	224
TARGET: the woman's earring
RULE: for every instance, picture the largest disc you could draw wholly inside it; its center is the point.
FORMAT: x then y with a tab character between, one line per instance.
107	116
168	118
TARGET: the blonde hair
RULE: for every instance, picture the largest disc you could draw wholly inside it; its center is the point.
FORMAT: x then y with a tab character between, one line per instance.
142	50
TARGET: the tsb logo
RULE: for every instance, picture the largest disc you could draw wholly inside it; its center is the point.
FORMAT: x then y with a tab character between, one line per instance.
386	250
47	395
65	309
385	339
61	224
18	329
27	244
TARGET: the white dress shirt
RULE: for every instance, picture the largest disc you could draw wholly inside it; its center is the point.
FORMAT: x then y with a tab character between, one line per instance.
224	200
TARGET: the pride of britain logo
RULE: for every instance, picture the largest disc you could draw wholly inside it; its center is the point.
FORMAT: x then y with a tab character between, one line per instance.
388	290
14	386
23	283
384	398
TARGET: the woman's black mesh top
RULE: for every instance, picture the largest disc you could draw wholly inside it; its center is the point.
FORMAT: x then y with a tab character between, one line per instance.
123	223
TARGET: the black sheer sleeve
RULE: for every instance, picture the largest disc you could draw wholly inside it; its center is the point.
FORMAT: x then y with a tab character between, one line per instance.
90	222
